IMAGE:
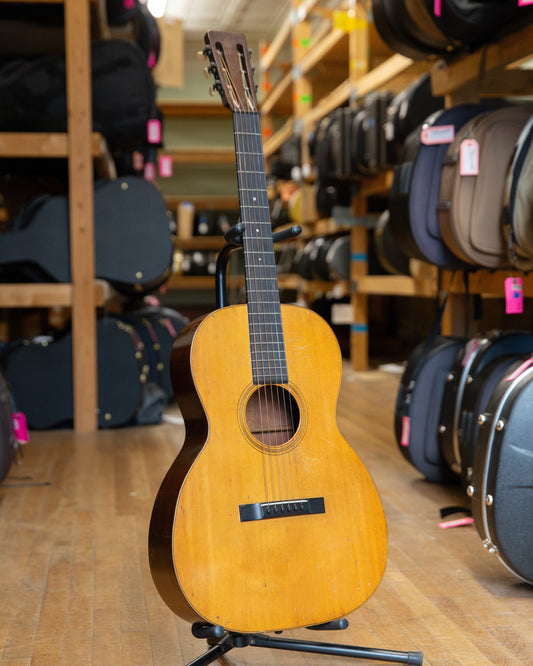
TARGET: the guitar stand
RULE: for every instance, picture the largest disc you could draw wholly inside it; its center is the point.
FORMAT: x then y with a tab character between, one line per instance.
221	641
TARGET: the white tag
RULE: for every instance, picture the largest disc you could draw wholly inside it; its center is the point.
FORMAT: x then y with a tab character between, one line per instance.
341	313
430	136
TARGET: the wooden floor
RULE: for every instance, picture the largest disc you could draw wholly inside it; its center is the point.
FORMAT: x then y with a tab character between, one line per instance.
75	585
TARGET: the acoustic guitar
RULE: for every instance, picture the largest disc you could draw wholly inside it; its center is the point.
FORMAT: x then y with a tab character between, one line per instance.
267	519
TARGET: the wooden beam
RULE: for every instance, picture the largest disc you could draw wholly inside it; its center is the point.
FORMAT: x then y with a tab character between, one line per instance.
81	212
45	295
445	78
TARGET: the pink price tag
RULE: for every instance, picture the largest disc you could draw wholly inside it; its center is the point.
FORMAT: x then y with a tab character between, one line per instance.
469	158
153	130
436	7
459	522
152	59
20	427
436	134
514	297
523	3
128	4
149	171
406	431
165	166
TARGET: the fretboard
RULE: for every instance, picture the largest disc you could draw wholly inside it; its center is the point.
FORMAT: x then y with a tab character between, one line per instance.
267	347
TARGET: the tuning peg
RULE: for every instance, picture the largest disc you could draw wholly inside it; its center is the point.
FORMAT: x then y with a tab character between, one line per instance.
201	55
207	74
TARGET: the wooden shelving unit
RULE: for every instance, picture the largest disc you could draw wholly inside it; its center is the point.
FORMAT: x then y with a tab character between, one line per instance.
80	146
372	67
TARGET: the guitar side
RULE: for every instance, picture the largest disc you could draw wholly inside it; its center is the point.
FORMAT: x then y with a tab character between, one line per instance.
263	574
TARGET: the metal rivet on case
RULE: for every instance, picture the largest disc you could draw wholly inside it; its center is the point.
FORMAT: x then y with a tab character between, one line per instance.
450	377
469	379
489	500
138	275
124	186
469	473
442	429
470	490
481	419
108	417
500	424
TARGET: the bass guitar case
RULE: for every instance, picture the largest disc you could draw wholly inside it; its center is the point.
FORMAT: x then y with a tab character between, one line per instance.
468	386
414	194
419	400
132	234
39	372
471	196
500	489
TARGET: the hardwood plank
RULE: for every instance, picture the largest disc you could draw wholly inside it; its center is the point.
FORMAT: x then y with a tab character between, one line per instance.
73	524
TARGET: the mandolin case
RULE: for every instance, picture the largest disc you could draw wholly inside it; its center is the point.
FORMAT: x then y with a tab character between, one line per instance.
501	485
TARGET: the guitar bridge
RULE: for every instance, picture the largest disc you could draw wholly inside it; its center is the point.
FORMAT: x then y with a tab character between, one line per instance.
281	509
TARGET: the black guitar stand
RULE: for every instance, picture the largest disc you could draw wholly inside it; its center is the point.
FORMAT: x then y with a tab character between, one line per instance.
221	641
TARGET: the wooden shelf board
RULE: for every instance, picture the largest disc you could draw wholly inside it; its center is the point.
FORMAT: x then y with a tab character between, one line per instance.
191	108
202	155
204	201
214	243
45	295
395	285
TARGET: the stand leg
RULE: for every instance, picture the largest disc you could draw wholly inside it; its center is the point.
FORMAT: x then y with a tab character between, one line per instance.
231	640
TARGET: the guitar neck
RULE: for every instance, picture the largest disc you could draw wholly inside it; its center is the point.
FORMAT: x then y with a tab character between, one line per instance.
267	347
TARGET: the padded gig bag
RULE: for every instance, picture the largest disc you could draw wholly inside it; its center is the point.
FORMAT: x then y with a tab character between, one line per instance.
33	93
518	210
471	197
414	195
501	487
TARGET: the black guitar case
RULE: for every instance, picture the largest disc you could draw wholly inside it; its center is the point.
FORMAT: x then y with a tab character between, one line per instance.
466	389
369	150
414	194
157	326
133	241
406	111
39	372
7	433
419	400
500	489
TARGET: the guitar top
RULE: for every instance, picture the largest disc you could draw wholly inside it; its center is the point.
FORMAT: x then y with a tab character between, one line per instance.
267	519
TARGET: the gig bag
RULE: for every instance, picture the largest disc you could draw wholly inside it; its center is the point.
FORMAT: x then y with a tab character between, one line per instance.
471	196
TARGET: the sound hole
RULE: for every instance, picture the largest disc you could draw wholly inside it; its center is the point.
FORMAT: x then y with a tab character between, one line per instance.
272	415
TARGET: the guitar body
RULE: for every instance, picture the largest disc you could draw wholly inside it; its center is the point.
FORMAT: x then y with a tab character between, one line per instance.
212	559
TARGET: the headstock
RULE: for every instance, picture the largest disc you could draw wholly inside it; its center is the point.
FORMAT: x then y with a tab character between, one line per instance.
230	65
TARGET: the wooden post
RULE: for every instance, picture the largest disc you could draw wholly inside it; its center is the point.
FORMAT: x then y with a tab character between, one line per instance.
81	205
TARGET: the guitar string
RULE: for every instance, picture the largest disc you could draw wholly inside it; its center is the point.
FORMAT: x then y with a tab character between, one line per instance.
259	273
242	137
283	398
